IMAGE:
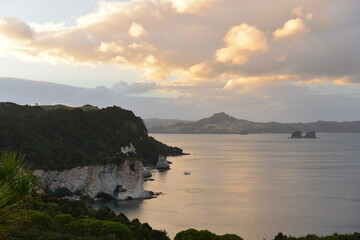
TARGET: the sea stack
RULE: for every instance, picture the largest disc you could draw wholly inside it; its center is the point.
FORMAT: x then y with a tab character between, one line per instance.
162	163
296	134
310	135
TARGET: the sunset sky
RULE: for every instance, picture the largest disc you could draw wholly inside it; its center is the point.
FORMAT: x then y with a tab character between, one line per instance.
260	60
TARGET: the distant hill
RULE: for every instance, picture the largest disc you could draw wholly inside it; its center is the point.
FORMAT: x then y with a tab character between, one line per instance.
222	123
154	122
61	137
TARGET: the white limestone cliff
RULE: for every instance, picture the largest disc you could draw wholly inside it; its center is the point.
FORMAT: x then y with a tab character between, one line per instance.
116	181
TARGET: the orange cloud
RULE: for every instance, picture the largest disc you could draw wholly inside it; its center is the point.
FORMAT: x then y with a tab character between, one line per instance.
190	6
342	81
241	41
187	40
136	30
299	13
292	27
15	29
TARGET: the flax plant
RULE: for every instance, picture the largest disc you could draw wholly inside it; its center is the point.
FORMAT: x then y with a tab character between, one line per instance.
17	184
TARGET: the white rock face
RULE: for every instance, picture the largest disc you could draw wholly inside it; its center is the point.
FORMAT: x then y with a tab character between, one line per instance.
162	163
119	182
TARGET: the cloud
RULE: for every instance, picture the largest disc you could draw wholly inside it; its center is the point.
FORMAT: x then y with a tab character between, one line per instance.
241	41
15	29
190	6
299	13
110	47
136	30
201	44
292	27
136	87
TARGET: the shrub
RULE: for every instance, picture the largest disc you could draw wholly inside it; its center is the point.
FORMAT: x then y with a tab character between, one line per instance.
118	229
230	237
63	219
62	192
74	228
193	234
93	227
41	220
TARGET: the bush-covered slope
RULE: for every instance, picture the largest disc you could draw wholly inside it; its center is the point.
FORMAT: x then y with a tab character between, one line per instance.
54	219
59	137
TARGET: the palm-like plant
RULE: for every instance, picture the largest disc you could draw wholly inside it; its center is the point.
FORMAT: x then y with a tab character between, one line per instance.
17	184
8	209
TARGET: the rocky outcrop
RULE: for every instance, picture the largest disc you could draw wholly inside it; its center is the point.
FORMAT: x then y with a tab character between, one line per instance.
119	182
310	135
296	134
162	163
146	173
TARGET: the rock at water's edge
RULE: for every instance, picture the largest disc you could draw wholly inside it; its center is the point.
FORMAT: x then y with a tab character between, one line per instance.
119	182
146	173
310	135
296	134
162	163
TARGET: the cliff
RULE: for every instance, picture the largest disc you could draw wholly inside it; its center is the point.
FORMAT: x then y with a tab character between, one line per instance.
119	182
61	137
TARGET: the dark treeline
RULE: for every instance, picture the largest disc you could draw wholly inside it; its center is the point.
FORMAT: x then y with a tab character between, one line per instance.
60	137
54	219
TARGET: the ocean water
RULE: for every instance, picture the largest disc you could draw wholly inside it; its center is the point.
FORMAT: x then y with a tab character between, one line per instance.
255	186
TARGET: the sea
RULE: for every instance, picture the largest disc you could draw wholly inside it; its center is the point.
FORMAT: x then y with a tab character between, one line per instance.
255	186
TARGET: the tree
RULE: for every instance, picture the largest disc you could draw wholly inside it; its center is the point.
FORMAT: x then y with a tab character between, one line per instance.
17	184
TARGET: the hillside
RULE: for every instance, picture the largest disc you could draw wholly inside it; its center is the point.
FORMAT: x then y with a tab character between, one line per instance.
61	137
222	123
154	122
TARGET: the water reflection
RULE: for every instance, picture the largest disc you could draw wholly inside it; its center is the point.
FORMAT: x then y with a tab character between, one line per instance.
129	207
256	186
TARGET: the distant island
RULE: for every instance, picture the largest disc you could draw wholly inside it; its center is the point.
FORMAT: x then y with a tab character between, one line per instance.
222	123
298	134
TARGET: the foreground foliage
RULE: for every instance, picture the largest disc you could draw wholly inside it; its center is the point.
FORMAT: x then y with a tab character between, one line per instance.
60	137
335	236
17	184
193	234
72	220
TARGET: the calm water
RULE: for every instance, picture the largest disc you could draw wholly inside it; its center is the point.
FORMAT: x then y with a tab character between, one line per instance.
256	186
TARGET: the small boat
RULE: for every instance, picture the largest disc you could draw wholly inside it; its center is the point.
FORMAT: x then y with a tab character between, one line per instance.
187	173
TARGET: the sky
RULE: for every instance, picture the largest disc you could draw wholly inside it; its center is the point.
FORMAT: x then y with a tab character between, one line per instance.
279	60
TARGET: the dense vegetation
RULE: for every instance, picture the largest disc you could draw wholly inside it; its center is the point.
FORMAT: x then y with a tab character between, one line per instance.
60	137
192	234
335	236
55	219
